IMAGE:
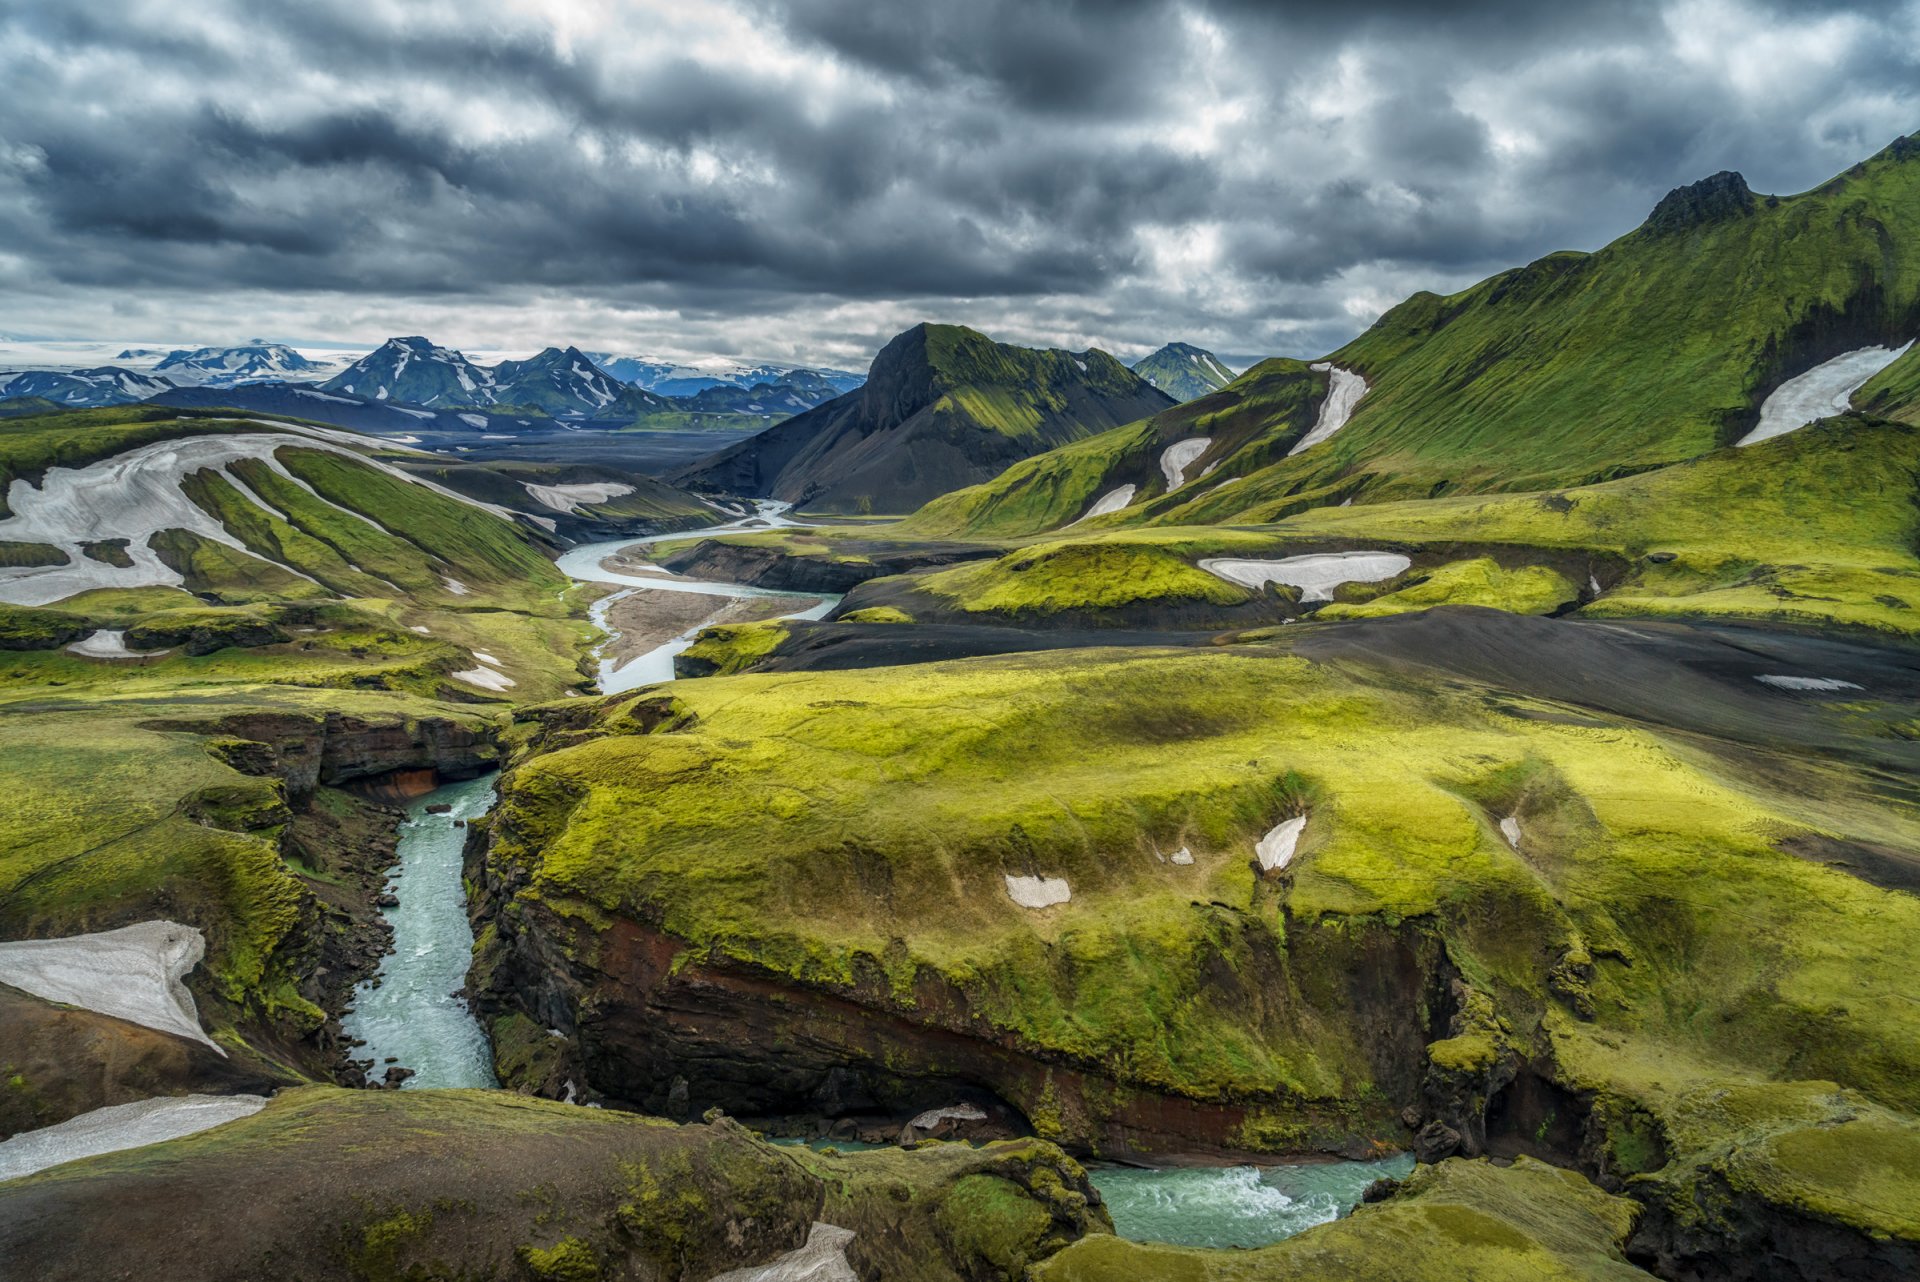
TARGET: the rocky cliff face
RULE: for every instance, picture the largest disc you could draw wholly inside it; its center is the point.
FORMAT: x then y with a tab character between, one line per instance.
304	751
654	1025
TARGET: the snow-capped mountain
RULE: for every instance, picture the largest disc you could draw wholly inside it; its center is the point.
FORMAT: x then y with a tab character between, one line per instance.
673	378
791	393
661	377
227	366
104	385
417	372
560	381
564	381
1184	372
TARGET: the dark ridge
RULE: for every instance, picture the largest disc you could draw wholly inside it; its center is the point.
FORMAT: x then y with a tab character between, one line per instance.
1711	200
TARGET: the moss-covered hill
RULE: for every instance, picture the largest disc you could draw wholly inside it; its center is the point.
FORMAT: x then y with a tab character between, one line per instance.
329	1184
1574	369
943	406
803	875
1817	528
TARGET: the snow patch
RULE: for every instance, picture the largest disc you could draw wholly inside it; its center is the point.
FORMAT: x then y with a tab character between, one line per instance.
1316	575
121	1126
486	679
1510	829
1182	857
1179	456
1344	390
133	973
822	1259
110	645
571	498
1275	850
322	396
1823	391
1806	683
1038	892
473	420
486	658
1111	501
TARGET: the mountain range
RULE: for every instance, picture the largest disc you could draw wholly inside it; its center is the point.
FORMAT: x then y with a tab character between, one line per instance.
672	378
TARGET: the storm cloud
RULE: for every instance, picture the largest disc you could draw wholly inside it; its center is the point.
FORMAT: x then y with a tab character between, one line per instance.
802	178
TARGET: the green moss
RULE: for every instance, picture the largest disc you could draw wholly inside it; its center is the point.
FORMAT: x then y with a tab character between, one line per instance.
995	1221
1529	589
877	614
1080	575
568	1260
15	553
728	648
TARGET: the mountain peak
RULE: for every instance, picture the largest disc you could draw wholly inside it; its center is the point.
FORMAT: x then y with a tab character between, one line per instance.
1184	372
1723	196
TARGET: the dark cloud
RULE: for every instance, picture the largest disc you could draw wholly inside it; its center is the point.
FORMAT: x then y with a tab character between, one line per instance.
802	177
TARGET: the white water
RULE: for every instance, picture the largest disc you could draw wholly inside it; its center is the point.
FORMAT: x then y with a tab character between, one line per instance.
413	1015
1823	391
586	564
1236	1206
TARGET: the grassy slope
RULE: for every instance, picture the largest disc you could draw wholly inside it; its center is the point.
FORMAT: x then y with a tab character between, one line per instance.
1249	423
1657	348
771	830
1579	367
1818	526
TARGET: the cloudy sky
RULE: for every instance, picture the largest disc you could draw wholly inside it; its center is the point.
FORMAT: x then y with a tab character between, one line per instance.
799	179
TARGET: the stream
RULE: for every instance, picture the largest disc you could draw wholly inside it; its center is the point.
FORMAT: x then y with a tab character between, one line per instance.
412	1016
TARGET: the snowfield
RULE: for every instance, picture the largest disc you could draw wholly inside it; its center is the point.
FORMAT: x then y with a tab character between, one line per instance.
121	1126
1179	456
1037	892
1275	850
1822	392
571	498
1344	390
133	973
1316	575
1112	501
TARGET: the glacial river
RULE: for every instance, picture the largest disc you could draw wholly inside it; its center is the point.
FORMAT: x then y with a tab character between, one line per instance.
414	1017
